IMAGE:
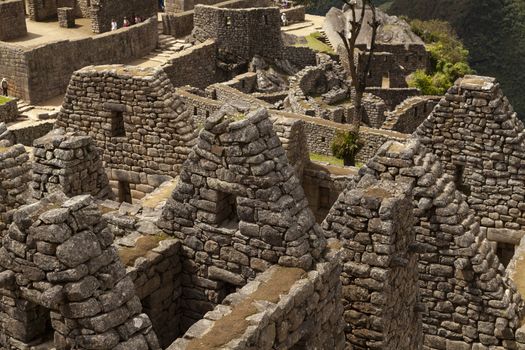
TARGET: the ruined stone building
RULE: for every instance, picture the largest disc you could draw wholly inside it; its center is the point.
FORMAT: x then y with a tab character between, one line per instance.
180	206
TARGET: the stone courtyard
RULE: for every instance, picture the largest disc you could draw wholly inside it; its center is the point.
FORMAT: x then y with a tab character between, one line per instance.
174	187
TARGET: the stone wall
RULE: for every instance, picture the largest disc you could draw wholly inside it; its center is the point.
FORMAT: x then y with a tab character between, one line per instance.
103	11
172	6
196	66
375	111
180	24
14	179
320	134
312	317
411	57
374	223
385	71
58	256
200	107
156	276
240	33
238	208
143	128
322	188
27	133
68	163
51	79
226	94
12	19
295	14
14	67
392	96
37	74
300	56
8	111
468	300
410	113
477	136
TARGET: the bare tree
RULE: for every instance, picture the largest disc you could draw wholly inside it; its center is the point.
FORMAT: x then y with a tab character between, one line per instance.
359	61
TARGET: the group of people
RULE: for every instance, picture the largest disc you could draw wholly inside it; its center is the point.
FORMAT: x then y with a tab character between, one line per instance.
126	22
283	3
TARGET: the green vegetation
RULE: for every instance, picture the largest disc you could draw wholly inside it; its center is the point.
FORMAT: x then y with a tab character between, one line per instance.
4	100
492	30
316	157
313	42
345	146
448	57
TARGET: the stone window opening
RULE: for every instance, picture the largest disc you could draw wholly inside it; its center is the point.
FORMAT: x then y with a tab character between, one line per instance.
505	252
228	21
117	124
266	19
226	214
207	114
459	180
323	139
88	3
124	192
194	110
243	84
385	84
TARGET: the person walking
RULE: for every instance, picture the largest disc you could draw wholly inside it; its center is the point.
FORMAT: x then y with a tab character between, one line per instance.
126	22
4	86
114	25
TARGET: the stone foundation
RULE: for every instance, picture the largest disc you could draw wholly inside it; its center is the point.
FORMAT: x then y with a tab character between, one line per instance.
8	111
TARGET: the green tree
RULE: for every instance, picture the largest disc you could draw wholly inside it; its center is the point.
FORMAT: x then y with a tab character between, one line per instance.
448	57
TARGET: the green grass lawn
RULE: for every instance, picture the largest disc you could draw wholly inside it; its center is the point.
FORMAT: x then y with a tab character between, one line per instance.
316	157
4	100
315	44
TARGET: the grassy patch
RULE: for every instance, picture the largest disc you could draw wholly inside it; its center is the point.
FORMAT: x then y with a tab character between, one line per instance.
142	246
4	100
316	157
313	42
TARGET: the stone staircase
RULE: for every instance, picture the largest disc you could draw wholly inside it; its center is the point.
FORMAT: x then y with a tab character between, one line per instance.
166	47
324	38
23	106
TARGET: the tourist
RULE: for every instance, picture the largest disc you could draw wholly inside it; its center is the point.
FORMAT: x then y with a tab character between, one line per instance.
132	19
138	19
161	5
114	25
284	20
126	22
4	86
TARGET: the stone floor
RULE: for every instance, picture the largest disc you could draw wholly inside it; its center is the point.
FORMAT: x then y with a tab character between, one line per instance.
310	25
44	32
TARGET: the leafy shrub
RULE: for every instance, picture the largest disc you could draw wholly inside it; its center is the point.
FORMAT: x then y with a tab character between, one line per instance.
345	146
448	57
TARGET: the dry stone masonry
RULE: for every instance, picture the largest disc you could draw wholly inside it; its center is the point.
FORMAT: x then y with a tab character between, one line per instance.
238	208
58	255
68	163
13	21
144	130
468	300
8	111
380	273
477	136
